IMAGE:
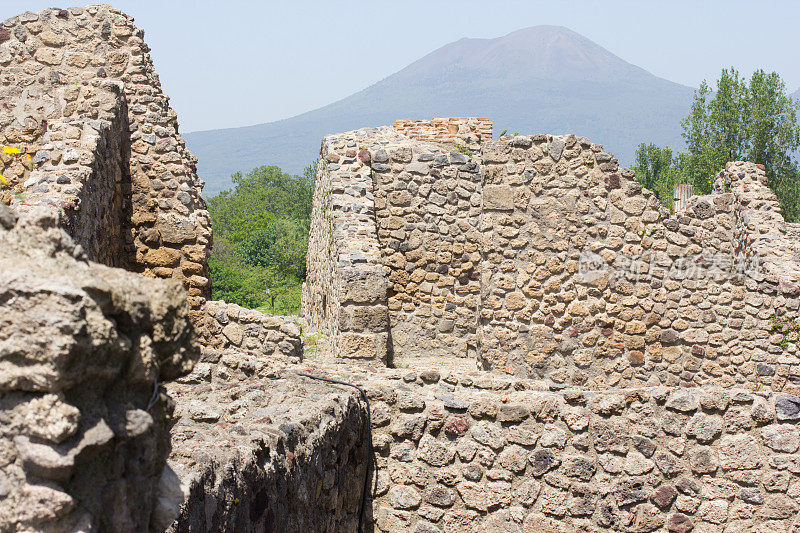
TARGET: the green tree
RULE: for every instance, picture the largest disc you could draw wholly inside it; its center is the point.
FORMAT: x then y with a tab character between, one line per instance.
752	120
652	166
261	239
262	195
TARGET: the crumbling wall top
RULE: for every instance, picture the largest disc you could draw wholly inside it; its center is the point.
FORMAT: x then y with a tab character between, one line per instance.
452	133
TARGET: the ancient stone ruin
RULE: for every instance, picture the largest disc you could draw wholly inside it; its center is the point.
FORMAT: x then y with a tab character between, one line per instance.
539	256
644	345
516	336
97	177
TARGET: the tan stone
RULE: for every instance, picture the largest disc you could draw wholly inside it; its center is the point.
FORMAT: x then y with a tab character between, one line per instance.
164	257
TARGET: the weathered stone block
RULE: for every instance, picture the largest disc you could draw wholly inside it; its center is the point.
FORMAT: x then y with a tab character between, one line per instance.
498	197
358	346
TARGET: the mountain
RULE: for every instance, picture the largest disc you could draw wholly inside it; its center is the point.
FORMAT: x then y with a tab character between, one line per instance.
796	94
543	79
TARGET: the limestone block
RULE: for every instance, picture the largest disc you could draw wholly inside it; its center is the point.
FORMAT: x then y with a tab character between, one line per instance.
358	346
363	287
498	197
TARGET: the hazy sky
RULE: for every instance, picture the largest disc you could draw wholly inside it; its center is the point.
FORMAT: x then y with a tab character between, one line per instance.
229	63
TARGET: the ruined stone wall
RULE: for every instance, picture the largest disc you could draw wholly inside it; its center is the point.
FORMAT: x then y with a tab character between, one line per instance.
81	98
346	285
79	166
84	350
451	132
476	452
260	450
231	327
584	277
427	209
588	281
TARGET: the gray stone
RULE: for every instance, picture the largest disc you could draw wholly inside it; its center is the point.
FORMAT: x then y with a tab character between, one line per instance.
644	445
750	495
426	527
637	464
514	413
435	452
630	490
472	472
787	407
703	461
765	370
43	461
489	435
542	461
682	401
202	412
440	496
404	497
705	428
667	463
8	217
781	437
458	158
556	148
578	466
418	168
380	156
5	486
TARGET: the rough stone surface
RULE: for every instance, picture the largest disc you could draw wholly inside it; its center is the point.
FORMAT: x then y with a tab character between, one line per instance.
84	351
82	99
591	478
539	256
285	454
231	327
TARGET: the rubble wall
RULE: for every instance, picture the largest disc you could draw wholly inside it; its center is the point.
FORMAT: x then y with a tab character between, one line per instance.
542	257
345	293
84	352
82	99
231	327
587	280
479	452
427	210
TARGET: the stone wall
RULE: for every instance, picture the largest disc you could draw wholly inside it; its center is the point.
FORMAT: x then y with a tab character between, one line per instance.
542	257
257	449
231	327
91	157
478	452
383	257
84	351
452	133
345	291
82	99
589	281
427	210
